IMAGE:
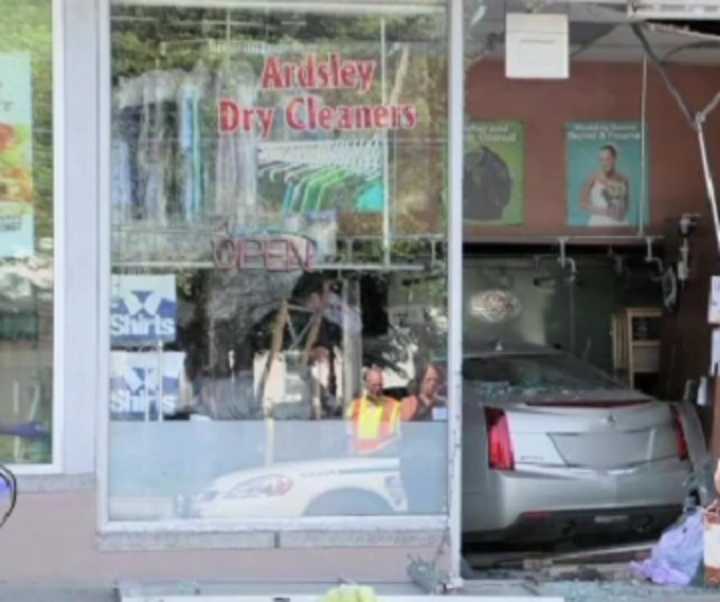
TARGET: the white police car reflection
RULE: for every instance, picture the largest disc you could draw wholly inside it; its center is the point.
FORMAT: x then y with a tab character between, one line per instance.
347	487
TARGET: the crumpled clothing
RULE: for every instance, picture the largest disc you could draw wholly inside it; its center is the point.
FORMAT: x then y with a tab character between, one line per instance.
677	557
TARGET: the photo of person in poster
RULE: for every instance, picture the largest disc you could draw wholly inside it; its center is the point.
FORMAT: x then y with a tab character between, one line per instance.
606	194
607	187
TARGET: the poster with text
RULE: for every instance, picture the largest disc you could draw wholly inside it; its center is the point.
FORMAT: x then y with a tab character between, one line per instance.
606	186
494	178
146	383
143	310
16	188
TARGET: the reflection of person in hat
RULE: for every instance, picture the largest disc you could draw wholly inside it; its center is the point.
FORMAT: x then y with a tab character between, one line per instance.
606	194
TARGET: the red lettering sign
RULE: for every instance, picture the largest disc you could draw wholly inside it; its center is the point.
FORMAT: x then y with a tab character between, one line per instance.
303	113
287	253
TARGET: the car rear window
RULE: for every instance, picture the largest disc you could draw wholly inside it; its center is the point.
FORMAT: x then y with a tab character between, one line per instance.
538	373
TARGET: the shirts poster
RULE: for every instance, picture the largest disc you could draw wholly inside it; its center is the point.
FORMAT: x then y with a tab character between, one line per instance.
16	185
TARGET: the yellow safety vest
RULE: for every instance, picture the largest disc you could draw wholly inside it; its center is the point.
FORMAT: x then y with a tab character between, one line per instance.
375	425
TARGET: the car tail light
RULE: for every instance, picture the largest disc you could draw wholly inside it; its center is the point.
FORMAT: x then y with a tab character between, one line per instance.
682	444
501	454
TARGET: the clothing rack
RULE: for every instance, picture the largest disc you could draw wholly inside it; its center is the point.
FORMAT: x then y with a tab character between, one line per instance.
362	156
258	48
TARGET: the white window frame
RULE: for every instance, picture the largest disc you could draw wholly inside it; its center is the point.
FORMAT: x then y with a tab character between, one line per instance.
448	523
58	356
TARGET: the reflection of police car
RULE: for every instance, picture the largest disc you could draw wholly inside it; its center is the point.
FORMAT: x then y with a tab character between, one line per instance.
352	486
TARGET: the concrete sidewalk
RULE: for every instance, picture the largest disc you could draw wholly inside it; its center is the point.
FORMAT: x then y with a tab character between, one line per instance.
486	589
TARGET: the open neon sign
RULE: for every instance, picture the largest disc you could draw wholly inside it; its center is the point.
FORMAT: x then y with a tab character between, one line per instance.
284	253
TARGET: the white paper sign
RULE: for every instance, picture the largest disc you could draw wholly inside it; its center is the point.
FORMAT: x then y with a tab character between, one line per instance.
714	305
715	352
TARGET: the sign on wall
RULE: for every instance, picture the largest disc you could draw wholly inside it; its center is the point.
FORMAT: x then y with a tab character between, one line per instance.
494	179
606	184
143	310
16	185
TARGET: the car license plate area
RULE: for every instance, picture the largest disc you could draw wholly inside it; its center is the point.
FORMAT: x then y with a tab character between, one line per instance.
610	519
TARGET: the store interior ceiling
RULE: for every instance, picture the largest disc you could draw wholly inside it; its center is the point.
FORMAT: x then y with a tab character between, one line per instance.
598	32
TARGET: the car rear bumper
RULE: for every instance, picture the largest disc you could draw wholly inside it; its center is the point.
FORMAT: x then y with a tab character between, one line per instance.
514	503
558	526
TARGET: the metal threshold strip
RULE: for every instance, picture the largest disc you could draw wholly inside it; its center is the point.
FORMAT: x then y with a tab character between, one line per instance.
347	7
500	597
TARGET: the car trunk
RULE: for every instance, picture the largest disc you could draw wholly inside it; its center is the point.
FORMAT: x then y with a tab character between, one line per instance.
593	434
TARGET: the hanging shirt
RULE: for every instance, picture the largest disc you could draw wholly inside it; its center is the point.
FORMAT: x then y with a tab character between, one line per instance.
191	181
235	161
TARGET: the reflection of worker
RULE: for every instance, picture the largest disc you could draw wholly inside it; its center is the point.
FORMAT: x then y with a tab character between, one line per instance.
606	194
426	403
374	417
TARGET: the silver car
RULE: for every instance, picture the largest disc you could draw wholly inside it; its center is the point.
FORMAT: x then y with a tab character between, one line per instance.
554	449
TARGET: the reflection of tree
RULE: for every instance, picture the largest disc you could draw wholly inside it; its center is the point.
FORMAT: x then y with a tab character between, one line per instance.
26	26
147	38
26	295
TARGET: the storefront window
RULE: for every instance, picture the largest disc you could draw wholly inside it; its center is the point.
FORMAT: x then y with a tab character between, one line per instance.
278	312
26	232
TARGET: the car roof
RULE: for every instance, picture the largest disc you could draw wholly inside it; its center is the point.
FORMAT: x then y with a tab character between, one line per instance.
511	348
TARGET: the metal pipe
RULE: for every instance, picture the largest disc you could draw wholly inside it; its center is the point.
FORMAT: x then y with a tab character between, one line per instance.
456	109
572	312
663	73
696	123
562	242
643	149
710	108
578	239
709	182
387	238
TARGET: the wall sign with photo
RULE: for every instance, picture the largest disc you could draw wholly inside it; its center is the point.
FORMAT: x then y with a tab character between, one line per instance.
494	178
606	185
